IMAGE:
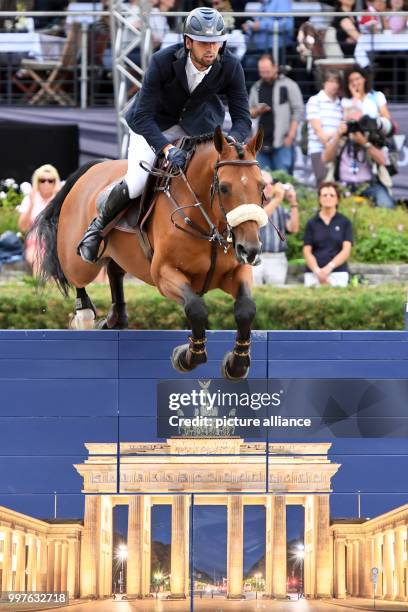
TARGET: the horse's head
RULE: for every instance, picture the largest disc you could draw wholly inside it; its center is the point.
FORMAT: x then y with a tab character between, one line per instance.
238	186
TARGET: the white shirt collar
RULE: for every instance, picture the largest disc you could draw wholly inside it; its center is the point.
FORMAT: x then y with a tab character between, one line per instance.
194	76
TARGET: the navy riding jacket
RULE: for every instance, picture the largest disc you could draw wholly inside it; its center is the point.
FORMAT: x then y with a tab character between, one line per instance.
164	99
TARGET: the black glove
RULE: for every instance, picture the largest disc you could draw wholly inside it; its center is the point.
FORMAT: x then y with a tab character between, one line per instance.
176	157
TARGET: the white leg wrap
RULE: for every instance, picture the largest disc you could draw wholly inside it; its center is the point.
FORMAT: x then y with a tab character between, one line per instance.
83	319
247	212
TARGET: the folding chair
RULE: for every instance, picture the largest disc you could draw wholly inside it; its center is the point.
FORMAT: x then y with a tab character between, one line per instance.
49	74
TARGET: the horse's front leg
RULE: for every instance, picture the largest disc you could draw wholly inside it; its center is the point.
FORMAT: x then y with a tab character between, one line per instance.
176	286
235	365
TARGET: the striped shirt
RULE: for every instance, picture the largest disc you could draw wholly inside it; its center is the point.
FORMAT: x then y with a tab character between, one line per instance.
271	243
330	114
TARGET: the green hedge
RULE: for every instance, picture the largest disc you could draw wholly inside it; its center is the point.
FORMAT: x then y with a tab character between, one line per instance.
364	308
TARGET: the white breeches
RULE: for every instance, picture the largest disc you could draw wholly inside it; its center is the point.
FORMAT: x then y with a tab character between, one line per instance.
139	150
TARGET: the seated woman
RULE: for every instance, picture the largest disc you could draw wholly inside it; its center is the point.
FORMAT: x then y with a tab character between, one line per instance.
327	242
45	184
396	23
347	27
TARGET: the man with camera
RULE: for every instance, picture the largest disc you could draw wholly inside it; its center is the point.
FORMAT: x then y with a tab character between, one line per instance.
359	155
273	268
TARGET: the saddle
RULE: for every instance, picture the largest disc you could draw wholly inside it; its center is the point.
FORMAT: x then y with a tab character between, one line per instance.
134	219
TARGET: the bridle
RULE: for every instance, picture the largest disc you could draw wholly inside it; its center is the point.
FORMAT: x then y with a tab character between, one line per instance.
223	239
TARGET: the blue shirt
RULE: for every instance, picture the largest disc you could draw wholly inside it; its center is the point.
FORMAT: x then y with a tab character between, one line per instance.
262	39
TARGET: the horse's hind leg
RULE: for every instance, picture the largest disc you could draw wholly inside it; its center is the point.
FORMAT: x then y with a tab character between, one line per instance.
117	315
188	356
84	317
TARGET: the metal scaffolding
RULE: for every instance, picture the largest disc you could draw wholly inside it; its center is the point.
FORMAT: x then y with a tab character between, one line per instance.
126	35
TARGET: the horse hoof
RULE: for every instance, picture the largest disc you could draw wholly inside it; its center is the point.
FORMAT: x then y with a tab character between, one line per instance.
225	369
177	358
102	324
83	319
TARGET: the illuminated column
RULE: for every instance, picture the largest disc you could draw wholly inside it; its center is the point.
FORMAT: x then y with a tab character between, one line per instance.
91	547
64	566
378	558
349	552
366	563
32	564
139	542
340	569
57	566
276	526
356	568
399	534
388	564
235	547
6	581
323	561
309	571
179	546
72	569
50	563
21	562
42	566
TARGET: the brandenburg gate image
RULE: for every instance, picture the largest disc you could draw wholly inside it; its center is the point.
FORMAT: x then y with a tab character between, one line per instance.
78	557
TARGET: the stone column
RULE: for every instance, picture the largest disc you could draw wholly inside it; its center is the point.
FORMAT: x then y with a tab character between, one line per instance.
340	568
309	569
388	564
42	566
399	533
32	565
235	547
91	547
356	568
72	586
378	558
275	553
139	542
366	563
57	565
64	566
20	562
50	566
350	573
323	560
179	546
6	581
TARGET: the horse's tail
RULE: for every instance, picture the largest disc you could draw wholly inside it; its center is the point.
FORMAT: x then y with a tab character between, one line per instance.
45	231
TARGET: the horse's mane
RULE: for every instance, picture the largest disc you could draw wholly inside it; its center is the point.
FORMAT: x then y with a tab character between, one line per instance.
191	142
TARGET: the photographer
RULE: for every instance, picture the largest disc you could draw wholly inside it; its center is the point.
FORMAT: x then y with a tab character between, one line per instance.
360	156
273	268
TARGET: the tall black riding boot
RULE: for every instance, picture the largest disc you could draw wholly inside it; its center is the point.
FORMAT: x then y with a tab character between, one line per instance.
117	200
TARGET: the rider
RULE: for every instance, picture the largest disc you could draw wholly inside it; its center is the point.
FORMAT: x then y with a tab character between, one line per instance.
179	97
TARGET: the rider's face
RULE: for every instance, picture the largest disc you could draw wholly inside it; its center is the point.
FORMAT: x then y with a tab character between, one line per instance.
203	54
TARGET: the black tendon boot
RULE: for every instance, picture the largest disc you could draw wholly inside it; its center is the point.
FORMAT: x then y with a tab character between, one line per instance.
116	201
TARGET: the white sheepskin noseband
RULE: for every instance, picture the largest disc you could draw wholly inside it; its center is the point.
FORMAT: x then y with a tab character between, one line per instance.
247	212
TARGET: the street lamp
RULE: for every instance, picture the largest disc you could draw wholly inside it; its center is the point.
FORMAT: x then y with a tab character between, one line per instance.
122	555
158	579
257	578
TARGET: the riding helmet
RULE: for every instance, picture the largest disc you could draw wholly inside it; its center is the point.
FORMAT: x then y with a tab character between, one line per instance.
205	24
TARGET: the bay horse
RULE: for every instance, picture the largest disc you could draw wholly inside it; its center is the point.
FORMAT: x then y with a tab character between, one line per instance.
203	230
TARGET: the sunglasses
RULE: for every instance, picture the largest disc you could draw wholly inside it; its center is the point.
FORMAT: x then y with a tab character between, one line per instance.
46	180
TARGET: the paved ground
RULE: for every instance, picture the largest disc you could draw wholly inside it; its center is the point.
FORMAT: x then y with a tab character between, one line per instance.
222	605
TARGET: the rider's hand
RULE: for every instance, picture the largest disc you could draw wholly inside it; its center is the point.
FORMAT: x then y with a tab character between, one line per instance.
176	157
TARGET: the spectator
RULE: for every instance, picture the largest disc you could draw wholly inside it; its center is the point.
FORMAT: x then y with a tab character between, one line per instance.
223	6
328	240
396	23
273	268
276	104
45	184
359	158
358	92
324	115
347	28
260	31
370	24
